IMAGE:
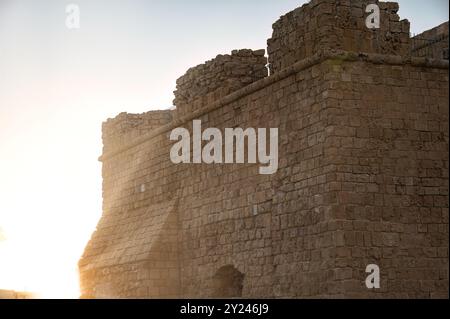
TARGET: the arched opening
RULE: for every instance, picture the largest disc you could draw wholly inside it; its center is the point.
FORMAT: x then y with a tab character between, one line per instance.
227	283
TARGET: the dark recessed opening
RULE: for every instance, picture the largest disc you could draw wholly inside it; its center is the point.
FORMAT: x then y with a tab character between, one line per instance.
228	283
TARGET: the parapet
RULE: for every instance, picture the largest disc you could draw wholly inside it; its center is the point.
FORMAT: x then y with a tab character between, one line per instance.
126	127
431	44
320	26
336	25
217	78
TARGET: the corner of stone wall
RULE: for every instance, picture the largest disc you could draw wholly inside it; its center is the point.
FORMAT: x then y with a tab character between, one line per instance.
336	25
126	127
208	82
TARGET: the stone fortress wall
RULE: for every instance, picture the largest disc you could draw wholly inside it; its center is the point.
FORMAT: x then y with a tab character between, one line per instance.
432	43
362	178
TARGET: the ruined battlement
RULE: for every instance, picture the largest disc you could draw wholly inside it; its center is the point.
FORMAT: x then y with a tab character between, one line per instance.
336	25
431	43
317	28
362	176
213	80
126	127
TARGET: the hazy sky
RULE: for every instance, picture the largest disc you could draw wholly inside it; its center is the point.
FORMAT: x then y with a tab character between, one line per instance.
58	85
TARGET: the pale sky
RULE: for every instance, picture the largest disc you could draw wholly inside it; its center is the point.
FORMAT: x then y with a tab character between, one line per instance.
58	85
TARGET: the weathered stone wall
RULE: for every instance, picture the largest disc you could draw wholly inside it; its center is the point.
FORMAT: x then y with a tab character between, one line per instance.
232	215
336	24
388	139
432	43
125	127
217	78
362	178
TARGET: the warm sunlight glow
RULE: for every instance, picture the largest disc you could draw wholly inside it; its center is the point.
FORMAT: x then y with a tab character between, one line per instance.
58	85
48	222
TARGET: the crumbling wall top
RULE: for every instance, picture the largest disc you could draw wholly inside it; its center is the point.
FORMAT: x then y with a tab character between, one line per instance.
432	43
218	77
125	127
336	24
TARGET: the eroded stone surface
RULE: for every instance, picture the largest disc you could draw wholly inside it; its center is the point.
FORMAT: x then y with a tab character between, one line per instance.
362	179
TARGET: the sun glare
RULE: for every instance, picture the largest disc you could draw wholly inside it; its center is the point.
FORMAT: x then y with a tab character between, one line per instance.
50	205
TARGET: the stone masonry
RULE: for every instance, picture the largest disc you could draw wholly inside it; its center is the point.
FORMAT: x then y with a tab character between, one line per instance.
217	78
362	177
432	43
